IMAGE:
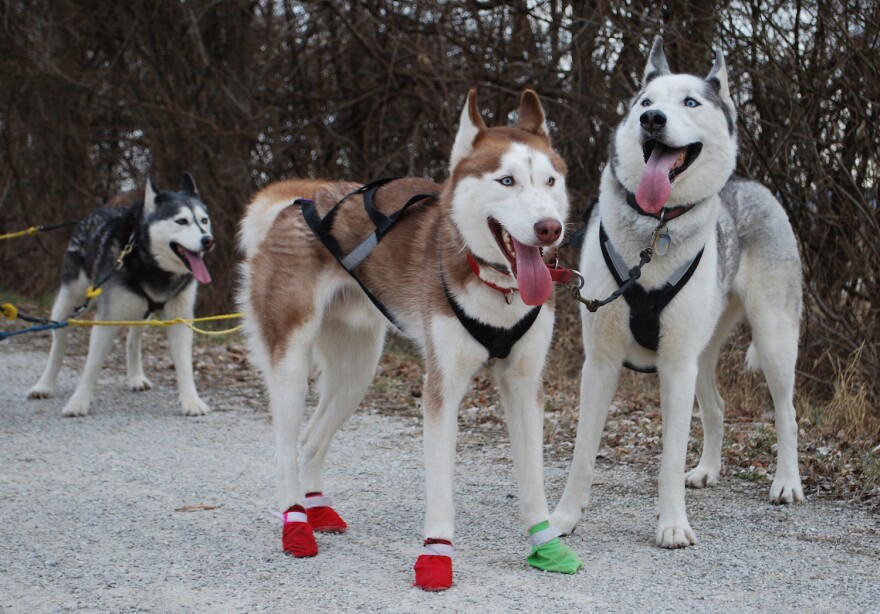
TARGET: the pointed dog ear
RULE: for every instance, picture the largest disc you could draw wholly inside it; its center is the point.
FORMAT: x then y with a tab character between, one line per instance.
531	114
469	128
717	77
188	184
150	191
657	65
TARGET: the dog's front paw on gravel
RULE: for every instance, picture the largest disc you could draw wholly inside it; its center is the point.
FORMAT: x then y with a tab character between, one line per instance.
39	391
194	407
702	476
75	409
564	520
785	490
676	536
139	384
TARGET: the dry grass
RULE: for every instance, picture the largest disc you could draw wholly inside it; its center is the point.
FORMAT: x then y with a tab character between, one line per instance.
850	413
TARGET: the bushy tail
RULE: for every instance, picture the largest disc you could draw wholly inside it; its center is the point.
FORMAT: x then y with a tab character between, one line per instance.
753	358
256	223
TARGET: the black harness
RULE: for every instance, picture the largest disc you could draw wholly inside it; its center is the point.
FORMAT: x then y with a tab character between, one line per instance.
497	341
645	306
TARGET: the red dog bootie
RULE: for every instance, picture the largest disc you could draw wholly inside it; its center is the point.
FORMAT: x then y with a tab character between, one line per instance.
434	567
297	537
322	517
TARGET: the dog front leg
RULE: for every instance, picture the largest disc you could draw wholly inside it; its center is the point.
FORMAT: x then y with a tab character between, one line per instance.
444	391
520	386
99	347
599	380
677	386
522	398
180	339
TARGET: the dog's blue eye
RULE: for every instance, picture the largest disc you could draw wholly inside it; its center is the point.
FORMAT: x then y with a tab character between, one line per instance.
182	222
646	102
690	102
507	180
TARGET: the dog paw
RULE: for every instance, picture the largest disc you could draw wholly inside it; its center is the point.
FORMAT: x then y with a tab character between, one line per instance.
137	384
702	476
679	535
194	407
564	520
75	409
785	490
38	391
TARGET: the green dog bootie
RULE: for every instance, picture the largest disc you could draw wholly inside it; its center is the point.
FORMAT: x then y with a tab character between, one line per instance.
549	553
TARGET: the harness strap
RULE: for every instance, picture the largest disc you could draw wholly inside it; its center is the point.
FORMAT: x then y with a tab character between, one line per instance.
498	341
322	228
310	214
646	306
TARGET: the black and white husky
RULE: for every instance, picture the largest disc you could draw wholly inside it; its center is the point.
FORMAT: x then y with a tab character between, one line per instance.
145	258
729	252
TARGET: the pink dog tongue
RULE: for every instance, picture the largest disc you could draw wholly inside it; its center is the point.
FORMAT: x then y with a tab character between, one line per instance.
654	186
197	266
532	275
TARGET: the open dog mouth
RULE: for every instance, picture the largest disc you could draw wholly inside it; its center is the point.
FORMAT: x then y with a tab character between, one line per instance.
532	275
193	261
662	165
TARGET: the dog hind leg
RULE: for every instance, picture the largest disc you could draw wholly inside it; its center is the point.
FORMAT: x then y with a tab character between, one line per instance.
774	340
708	470
346	357
287	380
69	296
137	381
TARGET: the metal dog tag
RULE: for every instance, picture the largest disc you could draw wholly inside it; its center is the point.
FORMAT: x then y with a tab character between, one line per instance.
662	244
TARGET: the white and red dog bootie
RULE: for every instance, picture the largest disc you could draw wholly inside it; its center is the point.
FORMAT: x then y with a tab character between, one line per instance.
434	567
322	517
297	537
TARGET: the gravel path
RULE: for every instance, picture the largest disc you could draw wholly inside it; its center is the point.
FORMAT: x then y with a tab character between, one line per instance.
88	521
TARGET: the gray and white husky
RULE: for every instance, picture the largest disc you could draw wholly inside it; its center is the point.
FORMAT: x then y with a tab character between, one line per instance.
146	259
729	252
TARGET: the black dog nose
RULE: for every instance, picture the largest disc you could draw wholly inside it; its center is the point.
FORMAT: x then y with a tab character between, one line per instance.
207	242
547	230
652	120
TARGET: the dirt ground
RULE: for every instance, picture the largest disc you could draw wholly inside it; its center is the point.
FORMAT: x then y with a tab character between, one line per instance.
93	511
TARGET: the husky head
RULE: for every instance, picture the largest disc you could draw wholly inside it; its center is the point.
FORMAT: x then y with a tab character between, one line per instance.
178	229
677	145
509	200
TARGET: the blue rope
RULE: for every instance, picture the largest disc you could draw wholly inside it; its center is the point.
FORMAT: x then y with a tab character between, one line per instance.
32	329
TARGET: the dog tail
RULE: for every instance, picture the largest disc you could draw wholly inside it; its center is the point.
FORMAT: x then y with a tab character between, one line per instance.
753	358
267	204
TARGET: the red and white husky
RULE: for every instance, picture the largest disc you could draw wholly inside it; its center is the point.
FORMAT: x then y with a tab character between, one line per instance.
471	256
